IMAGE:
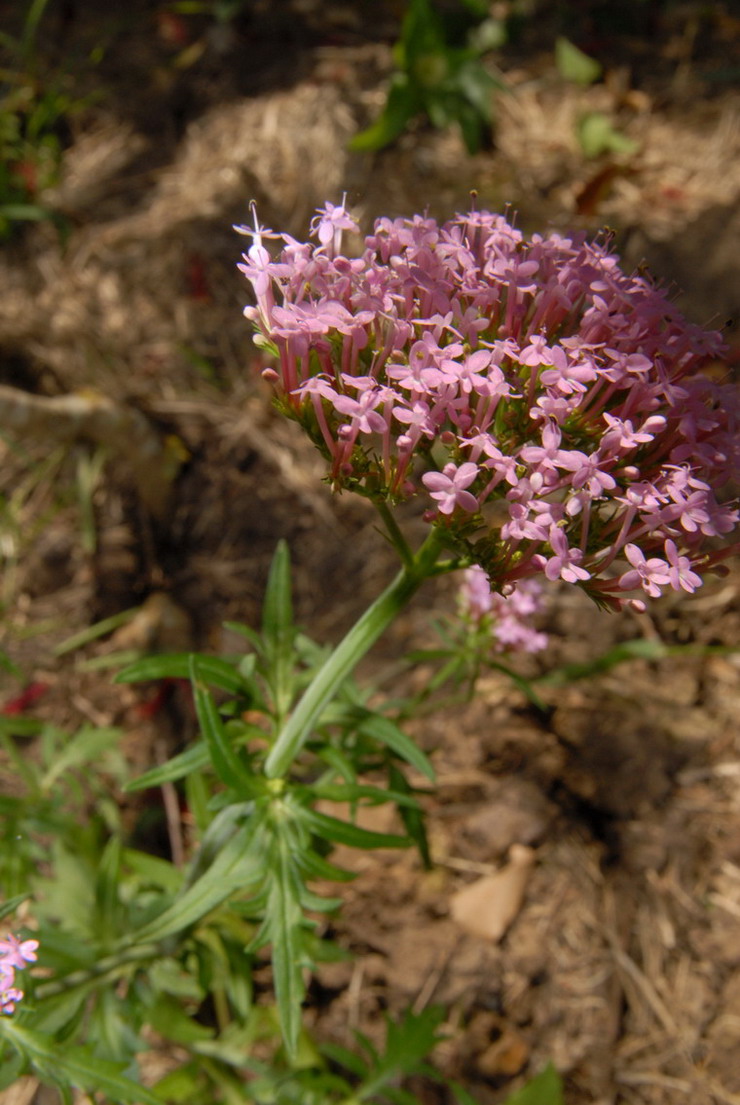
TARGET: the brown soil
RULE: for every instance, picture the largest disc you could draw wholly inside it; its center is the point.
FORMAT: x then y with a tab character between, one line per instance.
621	964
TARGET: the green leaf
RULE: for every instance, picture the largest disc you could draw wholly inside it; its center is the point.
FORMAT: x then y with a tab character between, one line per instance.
109	1030
226	760
398	1096
519	681
462	1097
284	922
597	135
278	631
12	904
7	665
412	816
336	759
192	759
153	871
388	733
20	726
422	33
27	211
181	1084
546	1088
478	87
314	866
353	792
573	65
176	665
76	1066
639	649
10	1070
93	632
197	797
343	832
107	889
62	1015
235	867
168	1018
84	747
343	1057
407	1044
404	102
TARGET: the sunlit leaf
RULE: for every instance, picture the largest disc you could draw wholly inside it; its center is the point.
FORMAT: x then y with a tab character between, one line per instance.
573	65
277	629
404	103
597	135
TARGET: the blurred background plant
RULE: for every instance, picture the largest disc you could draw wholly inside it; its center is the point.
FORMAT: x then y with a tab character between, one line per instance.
36	104
445	71
440	73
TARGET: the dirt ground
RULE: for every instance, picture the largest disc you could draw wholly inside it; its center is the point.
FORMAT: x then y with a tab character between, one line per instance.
620	961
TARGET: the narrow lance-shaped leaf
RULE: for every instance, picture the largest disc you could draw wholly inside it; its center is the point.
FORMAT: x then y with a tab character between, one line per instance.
107	887
12	904
411	815
235	868
284	922
192	759
176	665
388	733
278	631
343	832
227	762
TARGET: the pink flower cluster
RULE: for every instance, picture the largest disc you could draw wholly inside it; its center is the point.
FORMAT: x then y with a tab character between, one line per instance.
507	616
551	407
14	956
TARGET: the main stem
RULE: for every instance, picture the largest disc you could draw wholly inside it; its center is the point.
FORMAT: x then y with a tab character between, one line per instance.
360	638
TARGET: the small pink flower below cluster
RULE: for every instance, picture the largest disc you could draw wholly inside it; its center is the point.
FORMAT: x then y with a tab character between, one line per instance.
509	616
14	956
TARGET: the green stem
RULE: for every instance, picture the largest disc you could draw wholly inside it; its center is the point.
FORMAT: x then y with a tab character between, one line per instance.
395	534
111	965
361	637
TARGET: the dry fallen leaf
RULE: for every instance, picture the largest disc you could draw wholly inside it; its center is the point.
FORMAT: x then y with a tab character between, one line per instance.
488	906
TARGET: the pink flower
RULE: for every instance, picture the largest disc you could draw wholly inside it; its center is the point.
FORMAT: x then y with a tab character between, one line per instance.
574	390
507	616
448	487
329	224
565	563
17	953
651	574
14	955
679	572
